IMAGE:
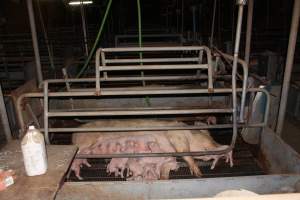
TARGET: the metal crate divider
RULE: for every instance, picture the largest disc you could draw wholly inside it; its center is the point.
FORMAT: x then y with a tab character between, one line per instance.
121	91
107	92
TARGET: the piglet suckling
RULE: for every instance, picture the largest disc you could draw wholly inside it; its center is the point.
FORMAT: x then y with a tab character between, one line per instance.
148	141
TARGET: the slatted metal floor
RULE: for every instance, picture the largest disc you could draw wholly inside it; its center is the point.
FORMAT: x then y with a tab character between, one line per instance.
245	163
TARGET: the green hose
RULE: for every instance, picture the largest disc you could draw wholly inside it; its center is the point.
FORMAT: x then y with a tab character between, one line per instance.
96	41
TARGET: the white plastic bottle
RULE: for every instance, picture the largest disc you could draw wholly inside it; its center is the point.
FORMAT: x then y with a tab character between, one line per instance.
34	152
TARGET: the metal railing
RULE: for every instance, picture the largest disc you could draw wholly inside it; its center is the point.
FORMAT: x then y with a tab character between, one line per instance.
138	91
103	64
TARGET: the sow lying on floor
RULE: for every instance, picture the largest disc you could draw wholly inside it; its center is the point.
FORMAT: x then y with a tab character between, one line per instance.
146	168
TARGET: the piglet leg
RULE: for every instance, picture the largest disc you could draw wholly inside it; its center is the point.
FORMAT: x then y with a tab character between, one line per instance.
229	158
215	161
180	143
86	163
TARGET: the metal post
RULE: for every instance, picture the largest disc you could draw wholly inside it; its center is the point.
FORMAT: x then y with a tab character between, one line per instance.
46	36
4	118
46	110
182	16
84	29
249	30
288	66
194	22
213	25
35	42
241	4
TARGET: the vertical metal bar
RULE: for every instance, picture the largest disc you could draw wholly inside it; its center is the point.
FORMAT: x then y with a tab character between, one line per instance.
194	22
182	16
68	85
249	30
200	62
245	78
45	36
84	29
46	122
35	42
213	25
288	66
140	35
103	63
4	117
210	70
65	74
243	101
201	56
241	4
97	63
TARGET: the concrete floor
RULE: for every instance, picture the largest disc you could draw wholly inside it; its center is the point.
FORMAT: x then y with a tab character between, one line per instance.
291	133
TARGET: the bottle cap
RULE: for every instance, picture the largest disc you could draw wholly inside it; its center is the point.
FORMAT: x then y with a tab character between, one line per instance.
31	127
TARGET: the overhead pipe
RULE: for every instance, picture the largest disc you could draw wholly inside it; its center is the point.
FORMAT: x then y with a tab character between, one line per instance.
288	66
249	30
4	118
35	42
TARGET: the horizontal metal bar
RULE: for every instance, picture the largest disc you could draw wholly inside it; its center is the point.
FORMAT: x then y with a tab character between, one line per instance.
121	91
155	78
148	36
127	91
135	78
164	128
165	154
73	80
81	80
160	92
137	112
152	67
152	60
137	49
